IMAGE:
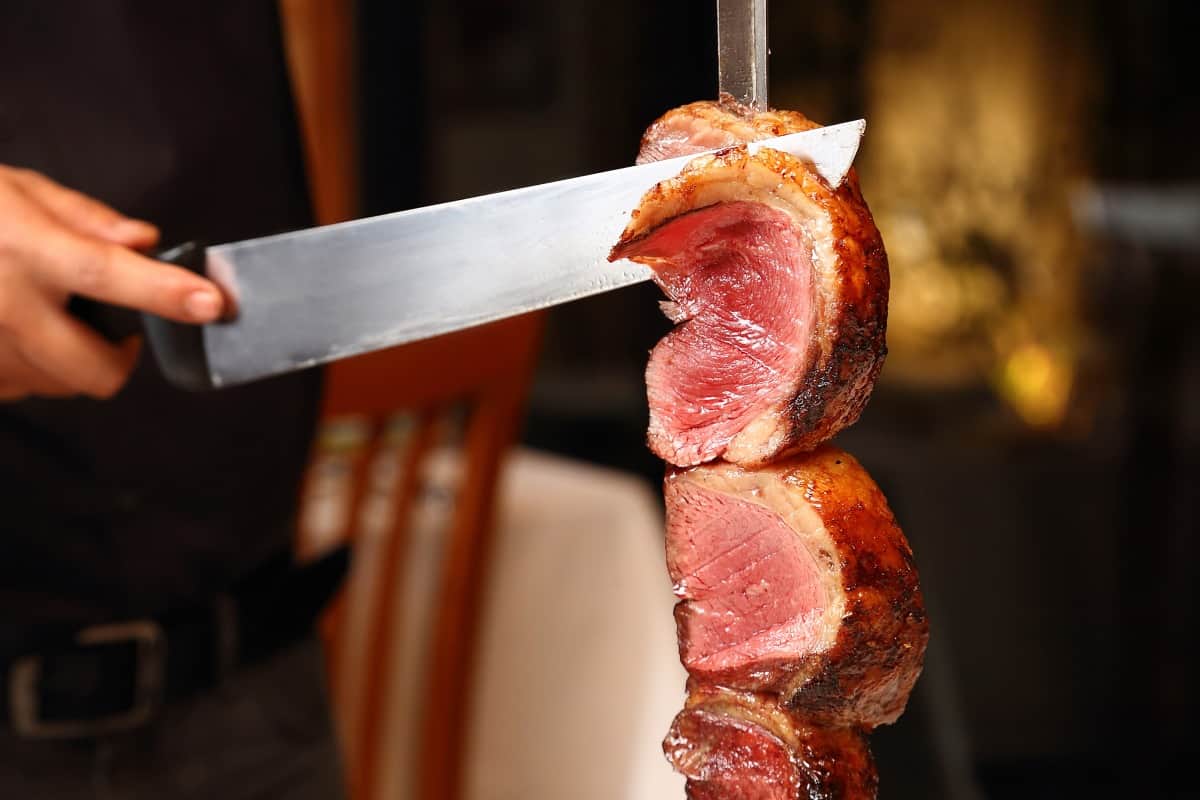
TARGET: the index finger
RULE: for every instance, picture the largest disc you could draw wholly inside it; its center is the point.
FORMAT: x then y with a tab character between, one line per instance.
119	276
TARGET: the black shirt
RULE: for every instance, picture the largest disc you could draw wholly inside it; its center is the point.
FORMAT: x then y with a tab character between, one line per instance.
179	113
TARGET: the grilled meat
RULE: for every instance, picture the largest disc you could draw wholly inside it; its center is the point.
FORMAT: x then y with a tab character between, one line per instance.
794	578
800	620
745	746
779	284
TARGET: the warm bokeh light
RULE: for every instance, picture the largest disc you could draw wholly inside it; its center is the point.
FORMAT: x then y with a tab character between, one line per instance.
976	122
1036	382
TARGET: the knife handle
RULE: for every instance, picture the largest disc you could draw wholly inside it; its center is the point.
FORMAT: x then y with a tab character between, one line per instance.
178	348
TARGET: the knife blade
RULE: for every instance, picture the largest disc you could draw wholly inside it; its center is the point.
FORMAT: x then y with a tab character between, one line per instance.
313	296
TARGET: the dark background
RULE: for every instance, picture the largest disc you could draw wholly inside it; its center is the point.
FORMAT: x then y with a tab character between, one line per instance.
1059	562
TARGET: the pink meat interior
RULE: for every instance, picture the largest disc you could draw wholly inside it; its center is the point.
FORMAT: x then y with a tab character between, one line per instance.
739	278
752	592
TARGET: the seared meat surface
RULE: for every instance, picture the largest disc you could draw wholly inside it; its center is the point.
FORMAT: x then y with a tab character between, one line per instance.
779	285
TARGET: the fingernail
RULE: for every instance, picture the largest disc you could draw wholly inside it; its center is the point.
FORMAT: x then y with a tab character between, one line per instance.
203	305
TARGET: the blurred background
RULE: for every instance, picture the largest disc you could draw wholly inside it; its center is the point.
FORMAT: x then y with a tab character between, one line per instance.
1037	428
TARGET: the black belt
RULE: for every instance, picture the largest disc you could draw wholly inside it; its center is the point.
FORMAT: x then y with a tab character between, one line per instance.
114	677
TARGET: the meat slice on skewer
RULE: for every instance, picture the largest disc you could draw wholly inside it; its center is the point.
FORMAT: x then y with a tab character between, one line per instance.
708	125
800	621
795	579
779	284
745	746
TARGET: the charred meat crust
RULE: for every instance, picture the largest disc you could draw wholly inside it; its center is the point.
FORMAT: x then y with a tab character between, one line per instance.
839	381
849	343
864	679
880	648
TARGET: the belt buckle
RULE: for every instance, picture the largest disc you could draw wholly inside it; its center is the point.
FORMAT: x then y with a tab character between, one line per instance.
25	674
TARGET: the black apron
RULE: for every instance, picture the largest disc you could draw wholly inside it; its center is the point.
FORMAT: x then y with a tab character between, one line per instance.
179	113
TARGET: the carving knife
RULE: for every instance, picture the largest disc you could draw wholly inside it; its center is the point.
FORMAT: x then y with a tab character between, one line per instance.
312	296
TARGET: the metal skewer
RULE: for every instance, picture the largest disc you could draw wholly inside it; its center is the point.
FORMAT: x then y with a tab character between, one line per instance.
742	51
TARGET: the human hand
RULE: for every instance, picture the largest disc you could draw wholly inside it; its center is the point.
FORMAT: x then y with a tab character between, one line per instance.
55	243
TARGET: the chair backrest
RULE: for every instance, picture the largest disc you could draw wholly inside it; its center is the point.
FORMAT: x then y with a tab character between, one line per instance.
476	378
384	413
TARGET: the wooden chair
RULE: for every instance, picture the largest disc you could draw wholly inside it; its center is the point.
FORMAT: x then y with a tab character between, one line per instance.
482	373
